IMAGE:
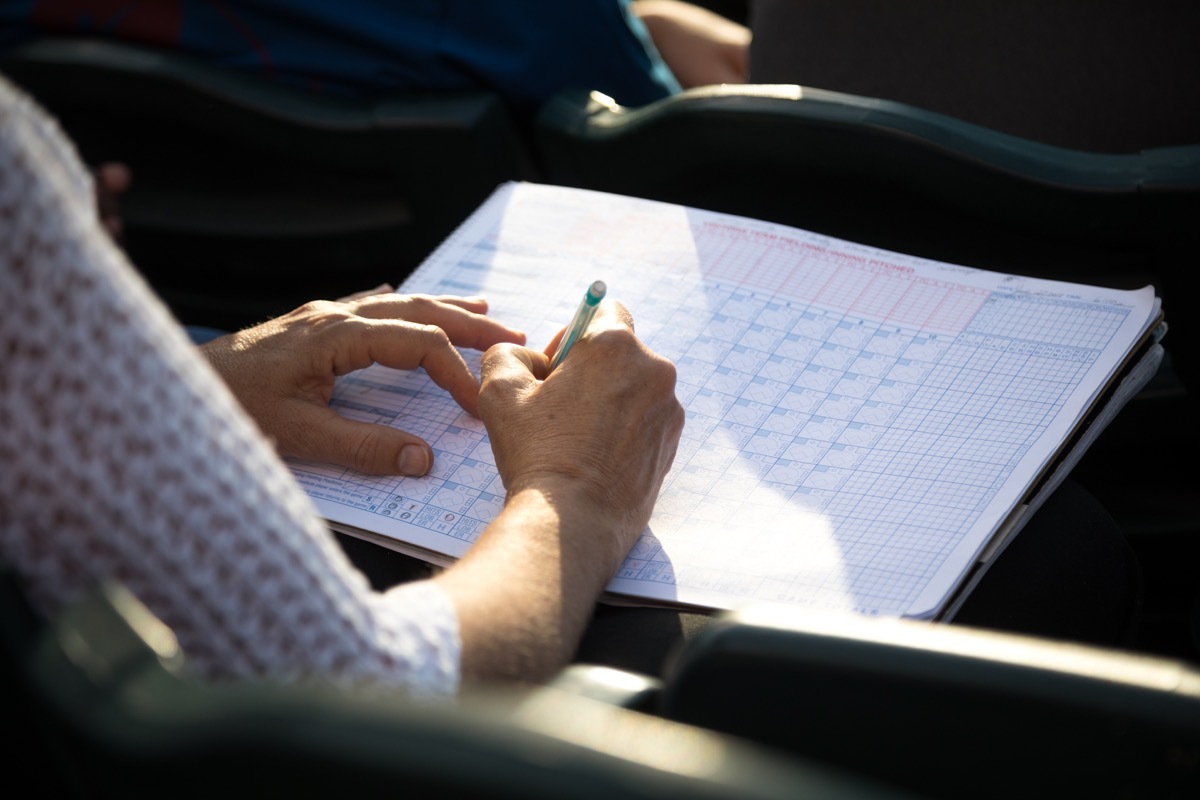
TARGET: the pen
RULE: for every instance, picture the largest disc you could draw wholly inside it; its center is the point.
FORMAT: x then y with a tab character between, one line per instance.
583	316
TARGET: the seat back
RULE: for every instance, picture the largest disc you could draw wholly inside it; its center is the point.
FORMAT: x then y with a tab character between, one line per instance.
897	177
250	197
1101	75
886	174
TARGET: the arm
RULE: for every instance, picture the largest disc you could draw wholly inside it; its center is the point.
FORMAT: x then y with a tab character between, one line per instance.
701	47
583	455
580	490
112	179
127	458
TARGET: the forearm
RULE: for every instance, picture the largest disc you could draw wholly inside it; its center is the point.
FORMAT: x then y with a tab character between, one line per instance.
700	46
525	591
126	459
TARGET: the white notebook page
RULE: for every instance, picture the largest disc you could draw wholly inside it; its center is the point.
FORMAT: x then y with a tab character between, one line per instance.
859	422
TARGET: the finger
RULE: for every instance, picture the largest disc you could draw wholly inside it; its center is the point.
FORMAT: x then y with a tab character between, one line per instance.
114	176
382	288
400	344
114	225
374	449
462	318
513	364
610	314
552	347
477	304
402	303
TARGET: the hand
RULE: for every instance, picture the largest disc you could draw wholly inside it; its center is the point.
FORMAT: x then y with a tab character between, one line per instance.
701	47
111	179
583	452
605	425
283	371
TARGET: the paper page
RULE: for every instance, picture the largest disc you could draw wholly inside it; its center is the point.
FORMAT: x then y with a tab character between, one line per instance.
859	422
1132	383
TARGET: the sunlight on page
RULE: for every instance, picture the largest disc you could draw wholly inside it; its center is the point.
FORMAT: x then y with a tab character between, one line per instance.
860	423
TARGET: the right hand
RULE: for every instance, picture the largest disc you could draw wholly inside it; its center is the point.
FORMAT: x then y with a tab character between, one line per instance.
602	429
583	452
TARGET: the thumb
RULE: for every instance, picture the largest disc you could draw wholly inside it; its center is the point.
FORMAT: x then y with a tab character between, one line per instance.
513	364
364	446
507	373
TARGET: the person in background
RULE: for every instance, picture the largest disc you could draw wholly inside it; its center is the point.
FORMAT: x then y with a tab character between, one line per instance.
111	179
635	51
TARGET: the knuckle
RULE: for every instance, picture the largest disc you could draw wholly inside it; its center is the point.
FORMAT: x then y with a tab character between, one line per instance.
431	338
618	343
320	307
320	314
436	333
666	371
369	452
416	305
505	385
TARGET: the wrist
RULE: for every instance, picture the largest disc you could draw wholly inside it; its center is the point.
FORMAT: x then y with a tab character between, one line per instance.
525	590
572	513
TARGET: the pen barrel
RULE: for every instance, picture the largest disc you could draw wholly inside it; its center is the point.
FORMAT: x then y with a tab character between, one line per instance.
583	316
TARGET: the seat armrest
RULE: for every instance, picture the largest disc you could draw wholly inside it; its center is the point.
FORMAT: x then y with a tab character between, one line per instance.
613	686
945	710
112	708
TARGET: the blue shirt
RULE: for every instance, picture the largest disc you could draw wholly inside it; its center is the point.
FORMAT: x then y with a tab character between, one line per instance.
524	49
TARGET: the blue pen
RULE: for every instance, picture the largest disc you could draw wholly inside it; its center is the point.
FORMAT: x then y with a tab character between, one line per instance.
583	316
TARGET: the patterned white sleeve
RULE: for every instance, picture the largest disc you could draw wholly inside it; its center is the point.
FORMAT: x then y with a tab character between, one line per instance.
125	456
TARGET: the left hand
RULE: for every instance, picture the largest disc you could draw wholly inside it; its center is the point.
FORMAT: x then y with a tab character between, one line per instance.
283	371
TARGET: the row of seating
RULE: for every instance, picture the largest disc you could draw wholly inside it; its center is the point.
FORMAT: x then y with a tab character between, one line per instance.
767	704
270	193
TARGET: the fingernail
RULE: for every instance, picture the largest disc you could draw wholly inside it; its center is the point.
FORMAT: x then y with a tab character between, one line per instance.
413	460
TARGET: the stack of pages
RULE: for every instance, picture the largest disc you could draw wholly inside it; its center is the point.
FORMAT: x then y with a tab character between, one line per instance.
865	430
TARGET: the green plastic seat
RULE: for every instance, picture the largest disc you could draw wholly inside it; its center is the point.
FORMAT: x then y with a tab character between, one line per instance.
99	708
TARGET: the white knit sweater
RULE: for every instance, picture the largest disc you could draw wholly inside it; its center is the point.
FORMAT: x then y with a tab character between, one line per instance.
124	456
